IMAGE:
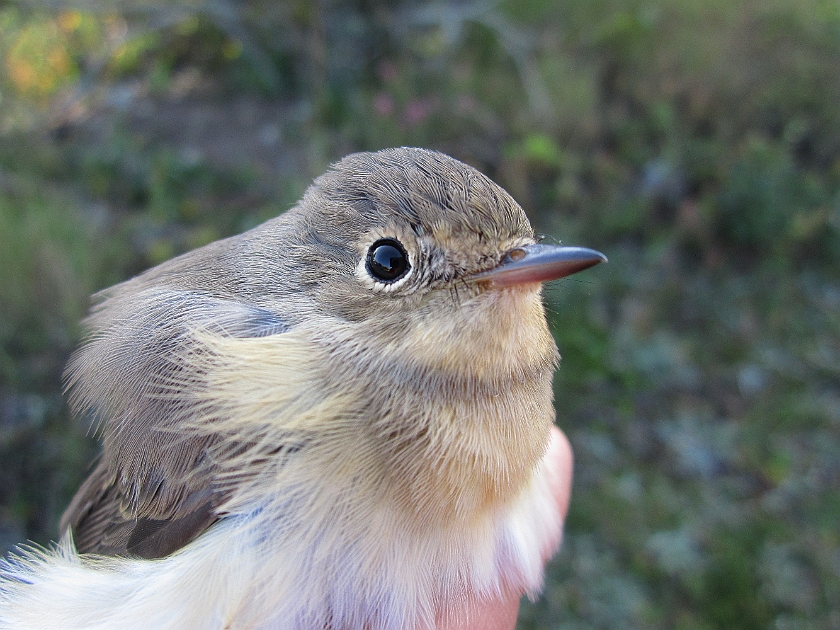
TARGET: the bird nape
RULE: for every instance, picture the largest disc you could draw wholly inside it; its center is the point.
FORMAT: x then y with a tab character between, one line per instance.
338	419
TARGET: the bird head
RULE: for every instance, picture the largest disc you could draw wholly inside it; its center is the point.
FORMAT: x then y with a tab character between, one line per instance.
386	336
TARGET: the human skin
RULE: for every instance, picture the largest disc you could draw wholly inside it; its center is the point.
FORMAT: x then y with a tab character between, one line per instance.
501	614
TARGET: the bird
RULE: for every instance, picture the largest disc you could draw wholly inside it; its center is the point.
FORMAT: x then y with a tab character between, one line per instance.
337	419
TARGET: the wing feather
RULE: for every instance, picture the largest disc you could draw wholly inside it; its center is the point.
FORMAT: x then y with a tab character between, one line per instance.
155	488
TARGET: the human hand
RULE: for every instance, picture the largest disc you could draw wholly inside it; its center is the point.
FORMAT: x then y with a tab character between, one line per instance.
501	614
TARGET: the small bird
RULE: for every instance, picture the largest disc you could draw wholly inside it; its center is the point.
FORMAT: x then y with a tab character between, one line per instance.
336	420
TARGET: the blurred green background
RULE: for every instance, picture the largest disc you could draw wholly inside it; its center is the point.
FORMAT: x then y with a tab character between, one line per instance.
696	143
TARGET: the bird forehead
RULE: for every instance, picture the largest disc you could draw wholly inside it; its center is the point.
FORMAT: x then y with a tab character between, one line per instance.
463	247
432	193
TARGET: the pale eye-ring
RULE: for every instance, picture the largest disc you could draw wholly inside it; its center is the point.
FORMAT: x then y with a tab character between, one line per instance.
387	260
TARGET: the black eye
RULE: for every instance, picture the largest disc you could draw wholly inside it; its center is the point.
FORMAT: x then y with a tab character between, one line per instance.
387	260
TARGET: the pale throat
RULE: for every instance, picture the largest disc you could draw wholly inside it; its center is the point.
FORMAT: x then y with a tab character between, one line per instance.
476	405
451	417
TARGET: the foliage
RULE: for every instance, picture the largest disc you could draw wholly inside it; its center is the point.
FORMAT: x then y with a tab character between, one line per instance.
697	144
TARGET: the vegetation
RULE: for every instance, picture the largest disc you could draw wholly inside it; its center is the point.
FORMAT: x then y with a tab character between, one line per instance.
696	143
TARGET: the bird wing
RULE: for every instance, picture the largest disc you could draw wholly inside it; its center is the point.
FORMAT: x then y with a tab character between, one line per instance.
102	521
154	489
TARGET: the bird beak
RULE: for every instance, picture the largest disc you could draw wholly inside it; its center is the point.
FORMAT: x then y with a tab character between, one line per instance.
538	263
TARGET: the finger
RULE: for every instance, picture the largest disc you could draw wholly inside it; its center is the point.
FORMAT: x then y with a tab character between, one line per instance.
501	613
496	614
561	473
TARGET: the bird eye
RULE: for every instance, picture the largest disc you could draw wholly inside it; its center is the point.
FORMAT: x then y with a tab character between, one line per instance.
387	260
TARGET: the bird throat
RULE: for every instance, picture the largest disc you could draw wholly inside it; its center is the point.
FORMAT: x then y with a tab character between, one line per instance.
440	417
473	410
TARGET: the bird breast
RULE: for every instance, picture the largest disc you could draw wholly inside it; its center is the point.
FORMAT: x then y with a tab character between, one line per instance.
443	418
